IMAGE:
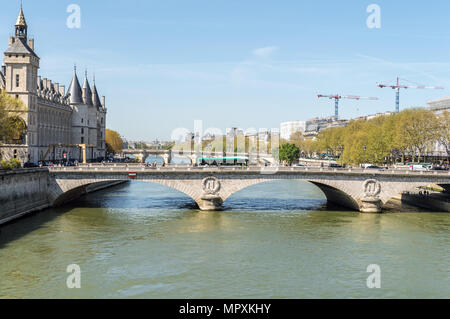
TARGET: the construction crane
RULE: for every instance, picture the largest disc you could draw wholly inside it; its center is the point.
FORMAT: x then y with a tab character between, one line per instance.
397	88
337	97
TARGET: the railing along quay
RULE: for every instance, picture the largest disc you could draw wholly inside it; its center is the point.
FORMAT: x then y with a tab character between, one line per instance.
262	169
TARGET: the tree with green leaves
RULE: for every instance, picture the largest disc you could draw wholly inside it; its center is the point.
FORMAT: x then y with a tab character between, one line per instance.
384	139
289	153
12	125
114	143
443	133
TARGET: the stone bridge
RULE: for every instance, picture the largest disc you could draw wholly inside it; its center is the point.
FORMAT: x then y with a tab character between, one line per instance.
362	190
168	155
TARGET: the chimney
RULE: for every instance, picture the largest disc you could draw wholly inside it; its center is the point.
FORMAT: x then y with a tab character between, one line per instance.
56	86
104	102
62	90
11	41
4	69
31	43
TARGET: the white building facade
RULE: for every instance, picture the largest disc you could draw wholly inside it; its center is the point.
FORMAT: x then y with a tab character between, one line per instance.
289	128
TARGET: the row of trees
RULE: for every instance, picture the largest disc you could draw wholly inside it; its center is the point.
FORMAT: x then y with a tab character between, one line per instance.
385	139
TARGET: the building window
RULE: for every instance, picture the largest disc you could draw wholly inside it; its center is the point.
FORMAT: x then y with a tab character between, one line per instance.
82	120
82	130
17	80
82	140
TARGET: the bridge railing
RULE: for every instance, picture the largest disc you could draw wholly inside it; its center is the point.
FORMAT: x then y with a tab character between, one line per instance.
273	169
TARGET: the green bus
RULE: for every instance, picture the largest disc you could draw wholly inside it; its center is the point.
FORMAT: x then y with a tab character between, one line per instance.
223	161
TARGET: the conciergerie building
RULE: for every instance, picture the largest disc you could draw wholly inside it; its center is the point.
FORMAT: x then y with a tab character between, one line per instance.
59	124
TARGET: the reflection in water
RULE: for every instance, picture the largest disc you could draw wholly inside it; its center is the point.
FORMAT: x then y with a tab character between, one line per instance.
274	240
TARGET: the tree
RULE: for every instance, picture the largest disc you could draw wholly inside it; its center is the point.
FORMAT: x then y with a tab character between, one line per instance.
297	139
444	131
289	153
12	126
417	130
386	138
114	143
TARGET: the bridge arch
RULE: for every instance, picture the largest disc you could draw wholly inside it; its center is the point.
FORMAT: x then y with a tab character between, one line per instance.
63	191
333	193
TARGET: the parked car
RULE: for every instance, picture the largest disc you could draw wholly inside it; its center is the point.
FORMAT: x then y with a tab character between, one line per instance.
374	167
438	168
335	166
30	165
420	167
44	163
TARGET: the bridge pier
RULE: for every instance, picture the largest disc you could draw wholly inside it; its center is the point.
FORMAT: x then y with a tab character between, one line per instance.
371	205
210	203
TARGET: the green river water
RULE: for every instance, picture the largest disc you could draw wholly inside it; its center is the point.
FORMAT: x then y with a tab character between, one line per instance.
273	240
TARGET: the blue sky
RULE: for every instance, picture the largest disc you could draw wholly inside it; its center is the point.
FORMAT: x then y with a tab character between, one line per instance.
238	63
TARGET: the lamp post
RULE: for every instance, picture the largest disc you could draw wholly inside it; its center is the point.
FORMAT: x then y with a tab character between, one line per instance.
364	156
342	155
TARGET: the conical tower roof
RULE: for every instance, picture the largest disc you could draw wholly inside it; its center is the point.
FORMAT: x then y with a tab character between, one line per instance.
95	98
75	90
87	93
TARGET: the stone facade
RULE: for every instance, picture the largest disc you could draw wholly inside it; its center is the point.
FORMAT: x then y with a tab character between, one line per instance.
57	122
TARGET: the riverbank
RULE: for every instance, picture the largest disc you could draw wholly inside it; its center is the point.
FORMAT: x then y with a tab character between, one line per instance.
25	191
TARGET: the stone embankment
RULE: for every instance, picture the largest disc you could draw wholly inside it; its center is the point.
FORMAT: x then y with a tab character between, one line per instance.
25	191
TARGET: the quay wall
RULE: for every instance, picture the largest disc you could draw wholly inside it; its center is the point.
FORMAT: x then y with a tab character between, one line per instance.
26	191
433	203
22	192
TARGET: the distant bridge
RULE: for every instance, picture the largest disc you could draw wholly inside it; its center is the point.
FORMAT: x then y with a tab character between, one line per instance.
362	190
192	156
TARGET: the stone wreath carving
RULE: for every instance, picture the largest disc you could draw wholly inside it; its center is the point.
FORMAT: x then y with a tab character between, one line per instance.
211	185
372	188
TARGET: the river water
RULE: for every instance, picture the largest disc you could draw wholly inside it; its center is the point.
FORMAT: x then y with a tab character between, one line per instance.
273	240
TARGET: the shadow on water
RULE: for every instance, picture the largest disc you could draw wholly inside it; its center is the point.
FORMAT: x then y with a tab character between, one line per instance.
18	228
273	204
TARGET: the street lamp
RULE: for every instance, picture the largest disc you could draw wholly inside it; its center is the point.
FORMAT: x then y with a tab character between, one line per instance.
364	157
342	155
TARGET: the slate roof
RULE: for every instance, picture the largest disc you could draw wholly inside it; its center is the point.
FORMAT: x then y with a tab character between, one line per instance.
75	91
87	93
20	46
95	98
